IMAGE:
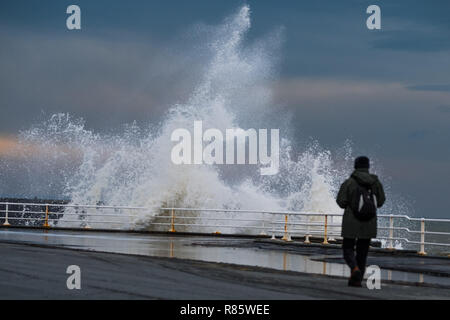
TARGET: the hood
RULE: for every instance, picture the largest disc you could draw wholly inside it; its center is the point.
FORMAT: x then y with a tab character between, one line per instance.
363	177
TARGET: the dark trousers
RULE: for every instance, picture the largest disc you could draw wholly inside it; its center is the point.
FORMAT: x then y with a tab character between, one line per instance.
362	249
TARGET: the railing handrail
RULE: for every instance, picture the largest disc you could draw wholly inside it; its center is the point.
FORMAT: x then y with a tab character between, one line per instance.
289	212
289	224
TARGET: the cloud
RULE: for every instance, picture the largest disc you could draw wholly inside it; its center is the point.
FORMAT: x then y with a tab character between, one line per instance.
377	116
8	147
12	148
380	89
108	82
345	93
415	40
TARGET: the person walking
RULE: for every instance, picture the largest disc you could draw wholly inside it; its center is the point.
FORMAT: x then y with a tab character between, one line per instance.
360	196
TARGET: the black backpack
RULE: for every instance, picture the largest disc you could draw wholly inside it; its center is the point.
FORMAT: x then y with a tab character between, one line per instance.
364	203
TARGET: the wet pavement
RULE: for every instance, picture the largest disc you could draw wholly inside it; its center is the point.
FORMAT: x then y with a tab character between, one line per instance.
33	272
278	255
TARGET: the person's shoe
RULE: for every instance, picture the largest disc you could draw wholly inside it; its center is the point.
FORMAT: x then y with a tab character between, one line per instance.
355	278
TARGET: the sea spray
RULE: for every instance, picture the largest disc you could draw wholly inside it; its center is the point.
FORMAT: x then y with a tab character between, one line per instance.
134	168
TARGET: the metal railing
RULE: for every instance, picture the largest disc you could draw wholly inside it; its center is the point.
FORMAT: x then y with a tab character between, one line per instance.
283	224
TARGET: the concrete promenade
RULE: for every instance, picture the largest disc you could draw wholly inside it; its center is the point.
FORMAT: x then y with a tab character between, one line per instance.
39	272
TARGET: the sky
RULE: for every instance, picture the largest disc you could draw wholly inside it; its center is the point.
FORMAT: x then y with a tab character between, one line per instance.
387	90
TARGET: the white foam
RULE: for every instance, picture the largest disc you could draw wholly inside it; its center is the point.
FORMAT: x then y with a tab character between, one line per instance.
134	168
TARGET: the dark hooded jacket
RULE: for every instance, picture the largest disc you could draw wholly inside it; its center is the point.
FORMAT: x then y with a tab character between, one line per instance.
351	226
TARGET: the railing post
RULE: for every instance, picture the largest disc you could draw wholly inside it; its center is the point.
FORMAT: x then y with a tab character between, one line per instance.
6	223
172	224
287	236
273	227
422	238
46	225
263	231
87	226
307	241
325	234
391	232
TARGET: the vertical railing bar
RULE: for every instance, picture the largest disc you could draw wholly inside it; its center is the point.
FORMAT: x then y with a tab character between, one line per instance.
391	232
422	238
273	226
325	235
263	231
286	236
172	224
307	241
46	225
6	223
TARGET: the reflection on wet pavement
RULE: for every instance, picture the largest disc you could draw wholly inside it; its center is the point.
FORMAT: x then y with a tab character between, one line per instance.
204	248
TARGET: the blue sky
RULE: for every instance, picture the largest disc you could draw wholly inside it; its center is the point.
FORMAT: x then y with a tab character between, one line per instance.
387	90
